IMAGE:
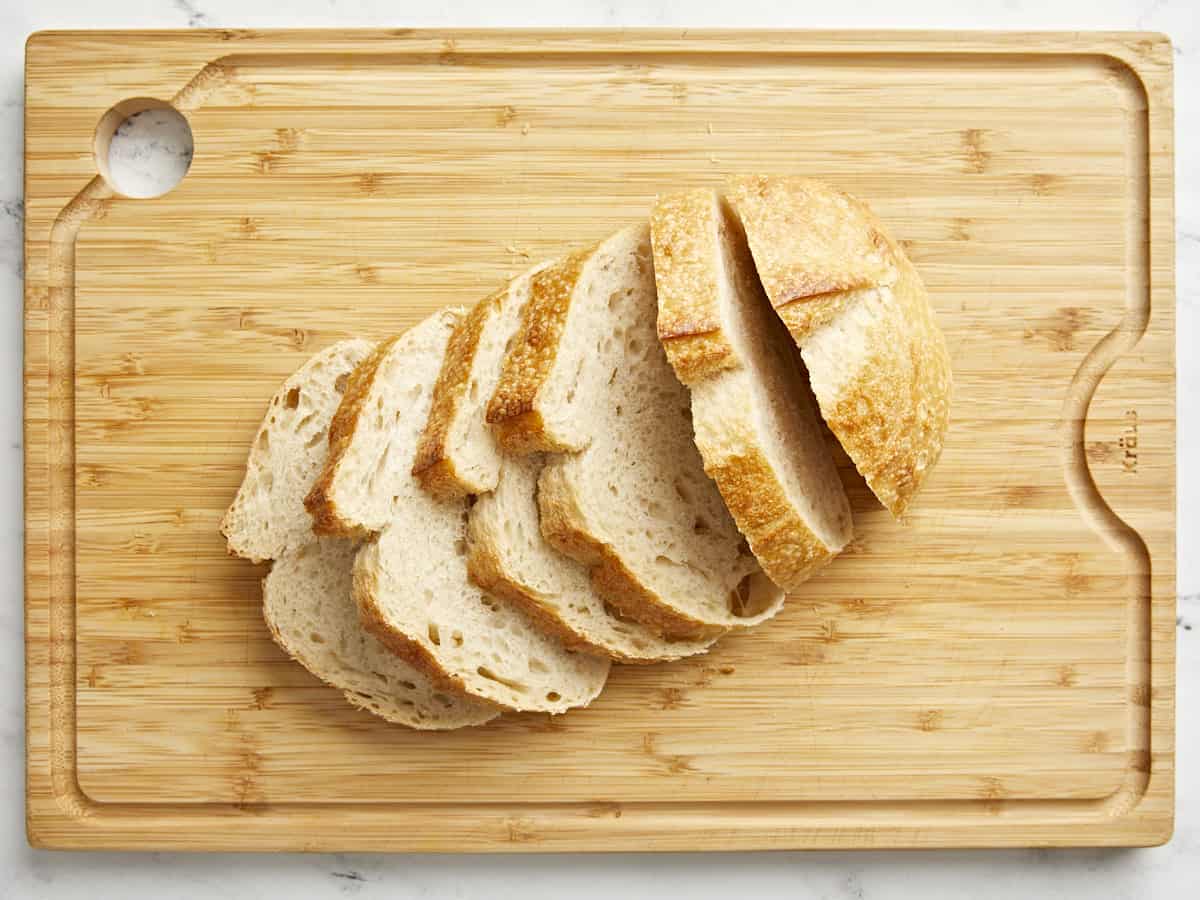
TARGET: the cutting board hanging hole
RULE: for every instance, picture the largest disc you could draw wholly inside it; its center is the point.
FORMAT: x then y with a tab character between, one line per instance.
143	147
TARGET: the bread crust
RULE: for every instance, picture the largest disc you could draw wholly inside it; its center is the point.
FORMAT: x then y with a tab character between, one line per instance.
512	411
684	230
689	315
810	243
320	502
818	252
433	464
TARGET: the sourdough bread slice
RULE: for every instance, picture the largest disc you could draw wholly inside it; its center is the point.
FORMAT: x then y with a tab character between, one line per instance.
310	612
633	502
458	454
858	311
267	517
546	394
411	582
755	419
509	558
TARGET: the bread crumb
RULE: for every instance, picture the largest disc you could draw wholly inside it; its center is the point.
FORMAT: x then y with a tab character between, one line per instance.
524	128
708	127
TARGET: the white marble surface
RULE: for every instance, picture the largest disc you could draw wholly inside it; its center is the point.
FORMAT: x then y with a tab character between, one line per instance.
1163	872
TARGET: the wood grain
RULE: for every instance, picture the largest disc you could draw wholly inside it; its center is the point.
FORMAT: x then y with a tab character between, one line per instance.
996	670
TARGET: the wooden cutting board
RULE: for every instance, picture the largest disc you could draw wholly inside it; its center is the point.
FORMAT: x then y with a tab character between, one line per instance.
995	670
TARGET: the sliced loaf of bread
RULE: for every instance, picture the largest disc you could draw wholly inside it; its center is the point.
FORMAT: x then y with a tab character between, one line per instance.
860	314
755	419
307	603
632	501
311	614
411	581
267	517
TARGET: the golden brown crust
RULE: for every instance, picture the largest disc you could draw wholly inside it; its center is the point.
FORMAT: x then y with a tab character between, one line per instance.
433	464
560	522
891	417
366	590
789	552
809	241
818	252
689	309
525	433
686	230
327	519
512	411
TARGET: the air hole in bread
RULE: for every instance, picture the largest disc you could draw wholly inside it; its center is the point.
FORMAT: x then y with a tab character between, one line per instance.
435	636
460	547
340	382
473	391
553	696
701	526
292	400
485	672
315	439
316	638
407	685
536	665
456	638
264	440
443	700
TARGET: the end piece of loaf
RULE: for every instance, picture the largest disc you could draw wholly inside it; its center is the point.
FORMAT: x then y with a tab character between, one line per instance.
857	308
755	419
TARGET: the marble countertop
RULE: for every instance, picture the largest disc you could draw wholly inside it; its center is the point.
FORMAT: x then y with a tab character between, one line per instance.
1159	872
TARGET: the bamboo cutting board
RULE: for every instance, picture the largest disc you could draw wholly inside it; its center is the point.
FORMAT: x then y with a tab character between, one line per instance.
995	670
